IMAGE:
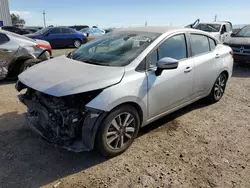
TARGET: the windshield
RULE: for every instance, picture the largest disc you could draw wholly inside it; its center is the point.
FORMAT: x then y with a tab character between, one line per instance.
209	27
84	30
44	30
244	32
114	48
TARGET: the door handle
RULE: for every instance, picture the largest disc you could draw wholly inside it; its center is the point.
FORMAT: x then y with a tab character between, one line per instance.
5	50
217	56
188	69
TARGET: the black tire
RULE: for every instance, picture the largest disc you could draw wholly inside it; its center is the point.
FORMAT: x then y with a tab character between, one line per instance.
219	85
29	63
102	139
77	43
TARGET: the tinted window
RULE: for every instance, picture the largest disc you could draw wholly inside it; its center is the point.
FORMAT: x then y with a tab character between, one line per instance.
199	44
174	47
66	30
212	44
55	31
3	38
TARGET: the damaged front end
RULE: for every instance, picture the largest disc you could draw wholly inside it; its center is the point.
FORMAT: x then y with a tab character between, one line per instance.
64	121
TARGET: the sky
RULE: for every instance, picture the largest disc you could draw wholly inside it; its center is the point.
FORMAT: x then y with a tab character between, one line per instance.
129	13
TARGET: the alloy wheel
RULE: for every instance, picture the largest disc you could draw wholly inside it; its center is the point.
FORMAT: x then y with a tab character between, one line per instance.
120	131
220	86
77	43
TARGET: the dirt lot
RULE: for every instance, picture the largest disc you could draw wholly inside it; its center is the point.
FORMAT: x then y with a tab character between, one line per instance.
198	146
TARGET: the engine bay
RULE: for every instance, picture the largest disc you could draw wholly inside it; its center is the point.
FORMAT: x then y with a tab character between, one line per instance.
58	119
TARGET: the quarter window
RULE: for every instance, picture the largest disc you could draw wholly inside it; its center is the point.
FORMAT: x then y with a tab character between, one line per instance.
199	44
153	58
3	38
174	47
212	44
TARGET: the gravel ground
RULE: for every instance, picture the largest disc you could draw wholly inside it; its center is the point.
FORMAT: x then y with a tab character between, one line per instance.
198	146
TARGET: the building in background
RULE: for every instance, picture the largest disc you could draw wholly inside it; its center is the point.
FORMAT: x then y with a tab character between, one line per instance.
5	18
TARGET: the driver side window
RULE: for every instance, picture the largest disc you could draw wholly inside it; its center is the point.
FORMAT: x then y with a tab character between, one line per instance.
174	47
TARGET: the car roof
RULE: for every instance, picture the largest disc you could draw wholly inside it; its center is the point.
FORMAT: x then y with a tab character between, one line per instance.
153	29
217	22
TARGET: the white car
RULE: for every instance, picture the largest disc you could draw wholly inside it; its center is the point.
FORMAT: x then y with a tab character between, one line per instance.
221	30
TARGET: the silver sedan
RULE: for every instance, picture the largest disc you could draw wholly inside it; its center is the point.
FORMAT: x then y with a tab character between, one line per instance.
102	93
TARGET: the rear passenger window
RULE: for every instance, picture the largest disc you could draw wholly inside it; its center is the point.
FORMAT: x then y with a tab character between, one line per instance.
55	31
3	38
199	44
212	44
174	47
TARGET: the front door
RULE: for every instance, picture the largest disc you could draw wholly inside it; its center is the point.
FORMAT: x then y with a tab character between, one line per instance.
172	87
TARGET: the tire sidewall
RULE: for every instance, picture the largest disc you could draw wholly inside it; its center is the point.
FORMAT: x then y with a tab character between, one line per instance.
101	144
211	96
77	40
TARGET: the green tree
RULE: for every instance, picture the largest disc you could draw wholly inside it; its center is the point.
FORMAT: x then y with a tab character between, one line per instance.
16	20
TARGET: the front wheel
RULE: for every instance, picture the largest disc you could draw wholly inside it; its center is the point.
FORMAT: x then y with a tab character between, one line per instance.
118	131
218	89
77	43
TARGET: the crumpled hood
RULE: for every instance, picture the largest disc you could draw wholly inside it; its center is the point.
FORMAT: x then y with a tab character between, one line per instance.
62	76
239	40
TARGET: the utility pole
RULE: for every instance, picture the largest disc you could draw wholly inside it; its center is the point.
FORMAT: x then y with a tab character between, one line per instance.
44	21
215	17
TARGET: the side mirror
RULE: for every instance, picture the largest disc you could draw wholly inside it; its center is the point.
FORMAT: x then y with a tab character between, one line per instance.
87	34
47	34
222	31
233	35
167	63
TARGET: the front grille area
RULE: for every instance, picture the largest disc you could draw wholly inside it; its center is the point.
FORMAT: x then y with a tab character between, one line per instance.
241	49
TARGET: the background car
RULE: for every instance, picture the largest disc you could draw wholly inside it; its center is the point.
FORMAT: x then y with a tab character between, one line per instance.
18	52
16	30
32	29
79	27
102	93
219	29
240	43
60	37
92	33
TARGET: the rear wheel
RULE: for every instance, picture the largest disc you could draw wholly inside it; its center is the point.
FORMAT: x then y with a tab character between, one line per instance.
218	89
118	131
29	63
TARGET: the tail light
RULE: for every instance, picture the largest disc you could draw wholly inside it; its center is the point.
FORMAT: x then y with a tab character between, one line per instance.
45	46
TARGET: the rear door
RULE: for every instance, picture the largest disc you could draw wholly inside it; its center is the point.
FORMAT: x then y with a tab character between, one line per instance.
206	63
68	36
7	51
54	38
